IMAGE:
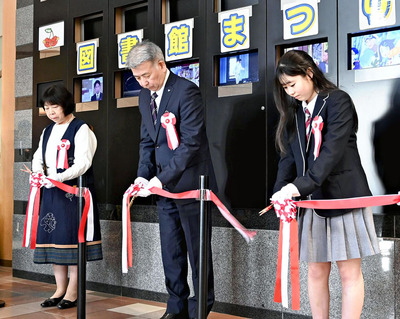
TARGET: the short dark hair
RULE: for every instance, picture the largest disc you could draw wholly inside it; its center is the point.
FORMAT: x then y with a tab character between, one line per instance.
96	82
58	95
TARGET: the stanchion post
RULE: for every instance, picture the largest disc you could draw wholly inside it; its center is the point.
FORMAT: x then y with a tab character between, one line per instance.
203	251
81	304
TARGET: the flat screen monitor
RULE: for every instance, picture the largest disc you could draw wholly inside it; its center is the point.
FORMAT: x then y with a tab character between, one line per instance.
130	86
238	68
188	70
92	89
318	51
372	50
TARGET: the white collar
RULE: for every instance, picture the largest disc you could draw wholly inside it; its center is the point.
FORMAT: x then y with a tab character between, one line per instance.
161	90
310	106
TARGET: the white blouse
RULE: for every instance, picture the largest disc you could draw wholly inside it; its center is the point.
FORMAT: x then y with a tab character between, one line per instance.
85	147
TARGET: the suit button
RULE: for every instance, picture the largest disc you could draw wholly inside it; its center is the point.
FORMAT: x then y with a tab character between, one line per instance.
157	146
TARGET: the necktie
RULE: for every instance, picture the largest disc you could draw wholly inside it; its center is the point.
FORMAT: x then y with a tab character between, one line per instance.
308	121
153	107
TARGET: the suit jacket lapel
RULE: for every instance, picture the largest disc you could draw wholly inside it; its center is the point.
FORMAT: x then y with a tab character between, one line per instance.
146	113
319	105
165	100
301	124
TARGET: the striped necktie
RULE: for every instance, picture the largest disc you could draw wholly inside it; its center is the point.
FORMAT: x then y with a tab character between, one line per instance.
308	122
153	107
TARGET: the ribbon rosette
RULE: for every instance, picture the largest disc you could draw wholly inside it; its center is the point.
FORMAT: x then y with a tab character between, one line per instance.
168	121
288	240
62	159
132	191
317	125
32	210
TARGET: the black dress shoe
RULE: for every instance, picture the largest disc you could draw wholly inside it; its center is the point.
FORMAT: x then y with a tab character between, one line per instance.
51	302
173	316
65	304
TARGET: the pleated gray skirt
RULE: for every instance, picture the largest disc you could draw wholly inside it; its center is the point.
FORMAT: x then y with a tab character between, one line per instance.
344	237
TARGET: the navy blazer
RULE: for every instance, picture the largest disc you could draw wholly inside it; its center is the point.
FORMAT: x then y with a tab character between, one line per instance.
179	169
337	172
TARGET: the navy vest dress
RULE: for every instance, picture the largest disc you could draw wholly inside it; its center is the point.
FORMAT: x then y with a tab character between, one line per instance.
57	232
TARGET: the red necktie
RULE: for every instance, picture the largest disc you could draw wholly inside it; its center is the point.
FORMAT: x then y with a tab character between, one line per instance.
308	121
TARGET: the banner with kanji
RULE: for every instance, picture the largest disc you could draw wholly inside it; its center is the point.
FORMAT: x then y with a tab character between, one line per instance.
179	40
125	43
86	56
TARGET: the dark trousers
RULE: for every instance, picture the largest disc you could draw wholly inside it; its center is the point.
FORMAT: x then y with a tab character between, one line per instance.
180	233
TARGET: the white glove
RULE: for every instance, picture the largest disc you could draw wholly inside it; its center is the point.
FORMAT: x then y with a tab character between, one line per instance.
154	182
286	192
46	183
142	182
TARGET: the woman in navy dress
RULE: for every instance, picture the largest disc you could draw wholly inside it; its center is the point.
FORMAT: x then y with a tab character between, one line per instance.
57	232
323	166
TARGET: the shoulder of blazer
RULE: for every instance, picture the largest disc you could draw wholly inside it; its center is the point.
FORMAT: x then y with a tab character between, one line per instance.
172	78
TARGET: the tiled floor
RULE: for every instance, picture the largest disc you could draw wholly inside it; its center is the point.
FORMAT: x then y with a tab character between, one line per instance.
23	298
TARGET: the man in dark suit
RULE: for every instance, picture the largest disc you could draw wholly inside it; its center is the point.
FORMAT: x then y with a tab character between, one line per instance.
98	95
174	152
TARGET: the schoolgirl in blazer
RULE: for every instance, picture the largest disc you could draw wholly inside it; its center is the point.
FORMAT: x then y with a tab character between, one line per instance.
336	172
323	164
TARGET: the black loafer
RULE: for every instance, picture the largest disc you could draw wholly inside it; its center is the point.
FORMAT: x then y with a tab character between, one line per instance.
65	304
51	302
173	316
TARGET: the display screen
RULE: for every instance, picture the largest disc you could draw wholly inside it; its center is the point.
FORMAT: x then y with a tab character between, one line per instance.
130	86
374	50
318	51
188	70
92	89
238	68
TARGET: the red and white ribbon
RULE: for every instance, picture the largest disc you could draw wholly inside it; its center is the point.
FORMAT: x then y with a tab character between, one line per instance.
62	159
168	121
126	226
194	194
317	125
87	219
286	211
32	211
288	241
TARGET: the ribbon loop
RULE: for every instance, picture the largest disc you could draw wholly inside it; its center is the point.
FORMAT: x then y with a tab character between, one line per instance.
32	210
288	245
132	191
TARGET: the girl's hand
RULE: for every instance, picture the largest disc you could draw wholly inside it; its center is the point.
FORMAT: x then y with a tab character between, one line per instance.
286	192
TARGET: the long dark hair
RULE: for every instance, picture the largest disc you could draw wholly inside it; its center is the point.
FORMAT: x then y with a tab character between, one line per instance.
294	63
